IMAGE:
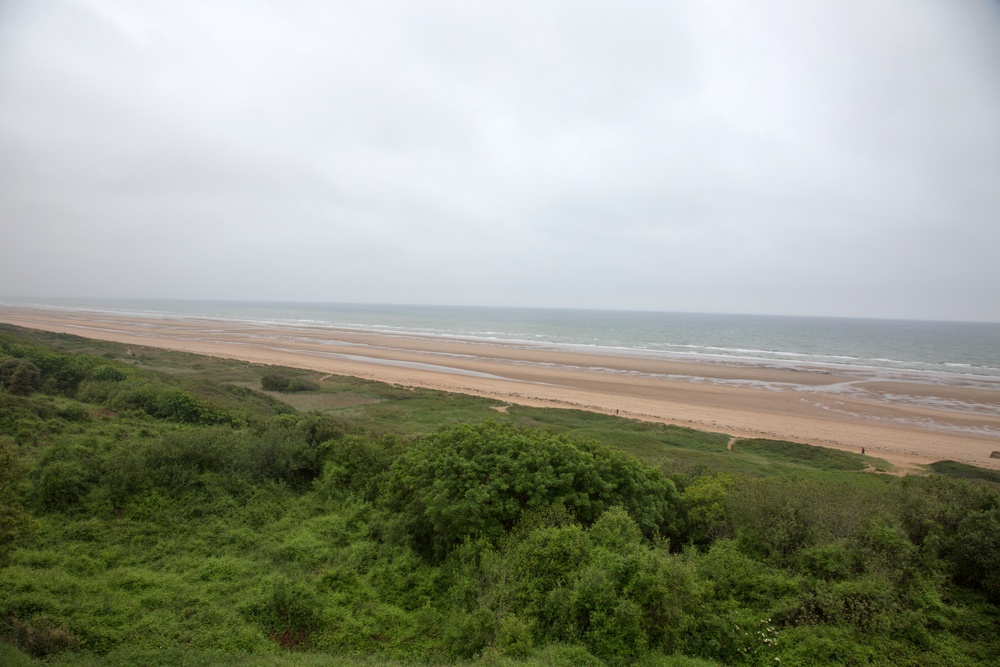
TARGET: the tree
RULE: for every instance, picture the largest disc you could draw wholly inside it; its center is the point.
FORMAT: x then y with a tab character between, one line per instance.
977	552
19	376
471	481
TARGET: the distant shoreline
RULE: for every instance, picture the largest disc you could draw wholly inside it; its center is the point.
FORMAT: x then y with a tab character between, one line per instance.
904	421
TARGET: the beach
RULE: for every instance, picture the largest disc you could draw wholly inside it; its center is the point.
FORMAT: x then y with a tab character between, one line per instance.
906	420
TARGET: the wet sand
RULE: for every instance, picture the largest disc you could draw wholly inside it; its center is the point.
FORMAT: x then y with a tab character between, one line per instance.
907	420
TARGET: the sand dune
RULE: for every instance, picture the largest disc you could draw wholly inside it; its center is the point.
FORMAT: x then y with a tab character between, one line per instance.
906	421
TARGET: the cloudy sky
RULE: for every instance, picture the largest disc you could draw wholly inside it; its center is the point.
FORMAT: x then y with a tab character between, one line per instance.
824	158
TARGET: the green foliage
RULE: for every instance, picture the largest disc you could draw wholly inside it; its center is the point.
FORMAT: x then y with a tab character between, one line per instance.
809	455
287	610
58	373
11	656
182	406
61	485
704	502
285	383
19	376
966	471
468	481
107	373
133	532
358	464
977	551
601	587
15	525
775	518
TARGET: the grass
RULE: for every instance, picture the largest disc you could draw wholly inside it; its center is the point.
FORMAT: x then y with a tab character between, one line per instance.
809	456
966	472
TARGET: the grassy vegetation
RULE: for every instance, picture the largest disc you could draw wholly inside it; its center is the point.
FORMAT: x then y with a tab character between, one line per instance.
965	471
158	507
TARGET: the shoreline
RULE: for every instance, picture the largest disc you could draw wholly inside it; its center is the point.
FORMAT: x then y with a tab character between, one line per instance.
896	417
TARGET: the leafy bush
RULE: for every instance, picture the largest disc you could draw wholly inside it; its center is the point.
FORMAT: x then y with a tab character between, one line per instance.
286	610
183	406
285	383
282	454
19	376
468	481
60	373
15	524
107	374
358	464
706	517
977	552
62	484
774	518
602	587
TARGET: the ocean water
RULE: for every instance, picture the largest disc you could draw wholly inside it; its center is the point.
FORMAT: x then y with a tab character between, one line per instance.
960	353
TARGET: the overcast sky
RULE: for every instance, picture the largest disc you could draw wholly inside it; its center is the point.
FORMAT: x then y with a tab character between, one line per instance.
821	158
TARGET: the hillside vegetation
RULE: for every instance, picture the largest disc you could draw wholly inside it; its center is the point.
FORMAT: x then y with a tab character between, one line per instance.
164	508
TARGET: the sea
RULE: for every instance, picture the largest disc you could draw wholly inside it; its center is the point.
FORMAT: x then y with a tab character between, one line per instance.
958	353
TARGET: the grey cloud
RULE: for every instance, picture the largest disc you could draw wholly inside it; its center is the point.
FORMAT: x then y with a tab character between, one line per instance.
782	157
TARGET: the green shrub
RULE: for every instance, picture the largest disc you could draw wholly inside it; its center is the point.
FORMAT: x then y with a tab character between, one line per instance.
776	517
61	485
285	383
357	464
183	406
134	395
19	376
74	412
609	625
187	460
977	552
287	611
60	373
107	374
467	481
281	454
15	525
706	515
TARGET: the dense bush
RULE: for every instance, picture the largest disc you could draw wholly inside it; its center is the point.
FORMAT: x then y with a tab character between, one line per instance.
554	580
286	383
107	374
60	373
19	376
977	551
184	406
469	481
358	464
15	524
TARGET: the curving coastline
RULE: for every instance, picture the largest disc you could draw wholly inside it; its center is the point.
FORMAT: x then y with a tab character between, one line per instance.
905	418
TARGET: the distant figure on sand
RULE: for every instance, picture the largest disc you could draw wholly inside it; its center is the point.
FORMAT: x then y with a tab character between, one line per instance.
862	451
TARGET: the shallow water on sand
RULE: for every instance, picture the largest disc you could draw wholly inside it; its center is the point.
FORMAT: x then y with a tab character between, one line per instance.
943	376
951	352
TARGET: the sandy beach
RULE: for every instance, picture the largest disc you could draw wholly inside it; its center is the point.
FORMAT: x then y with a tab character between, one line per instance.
906	421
